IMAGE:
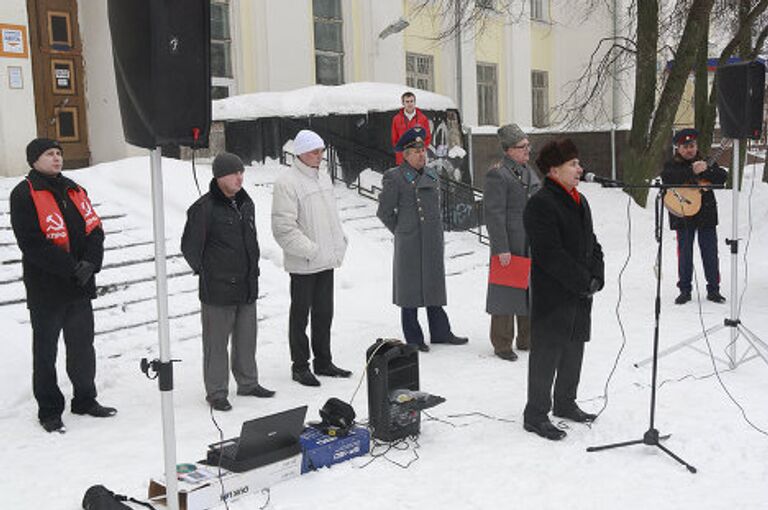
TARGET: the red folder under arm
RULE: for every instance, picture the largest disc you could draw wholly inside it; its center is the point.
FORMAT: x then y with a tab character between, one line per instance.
515	274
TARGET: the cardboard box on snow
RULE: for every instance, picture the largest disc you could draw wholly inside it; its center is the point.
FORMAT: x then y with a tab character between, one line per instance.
201	490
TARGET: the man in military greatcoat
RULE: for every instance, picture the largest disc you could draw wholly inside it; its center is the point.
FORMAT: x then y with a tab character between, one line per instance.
409	206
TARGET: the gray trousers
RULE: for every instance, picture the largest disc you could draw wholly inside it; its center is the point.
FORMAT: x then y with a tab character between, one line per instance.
219	322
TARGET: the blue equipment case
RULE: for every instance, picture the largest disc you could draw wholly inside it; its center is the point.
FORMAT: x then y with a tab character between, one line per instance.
319	449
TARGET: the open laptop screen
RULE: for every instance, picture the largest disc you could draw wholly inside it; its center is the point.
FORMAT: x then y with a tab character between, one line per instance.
269	433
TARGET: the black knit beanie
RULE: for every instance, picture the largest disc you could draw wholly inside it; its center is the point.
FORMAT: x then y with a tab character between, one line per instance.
227	163
38	146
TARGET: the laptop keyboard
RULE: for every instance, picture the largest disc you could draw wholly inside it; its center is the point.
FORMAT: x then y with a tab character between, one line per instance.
229	451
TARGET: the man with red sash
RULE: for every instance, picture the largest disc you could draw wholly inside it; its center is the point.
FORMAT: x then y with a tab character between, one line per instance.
407	118
62	245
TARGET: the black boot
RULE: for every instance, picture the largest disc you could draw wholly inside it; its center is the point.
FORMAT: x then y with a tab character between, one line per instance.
331	370
305	378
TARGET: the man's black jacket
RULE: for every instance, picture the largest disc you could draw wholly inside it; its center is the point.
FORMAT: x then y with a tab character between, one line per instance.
220	244
49	269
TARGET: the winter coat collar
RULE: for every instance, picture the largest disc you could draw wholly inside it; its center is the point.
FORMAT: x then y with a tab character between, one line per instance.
411	174
240	197
573	195
55	182
312	173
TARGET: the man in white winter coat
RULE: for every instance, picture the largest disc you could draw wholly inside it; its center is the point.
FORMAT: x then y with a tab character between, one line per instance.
306	225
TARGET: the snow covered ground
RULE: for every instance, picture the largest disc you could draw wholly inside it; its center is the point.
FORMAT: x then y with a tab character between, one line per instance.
475	454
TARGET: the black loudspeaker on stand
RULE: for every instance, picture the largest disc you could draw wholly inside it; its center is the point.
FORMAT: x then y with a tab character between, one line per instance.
393	366
740	95
161	51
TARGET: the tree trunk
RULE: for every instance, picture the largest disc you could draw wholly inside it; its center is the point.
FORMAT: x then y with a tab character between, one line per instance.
701	94
647	147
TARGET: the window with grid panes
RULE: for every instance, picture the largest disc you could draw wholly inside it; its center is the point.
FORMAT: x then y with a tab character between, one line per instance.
221	50
540	98
329	42
487	94
419	71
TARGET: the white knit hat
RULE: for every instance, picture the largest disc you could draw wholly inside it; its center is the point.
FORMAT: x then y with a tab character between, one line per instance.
307	141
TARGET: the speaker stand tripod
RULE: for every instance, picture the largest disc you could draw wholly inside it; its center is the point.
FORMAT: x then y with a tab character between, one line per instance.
652	436
733	321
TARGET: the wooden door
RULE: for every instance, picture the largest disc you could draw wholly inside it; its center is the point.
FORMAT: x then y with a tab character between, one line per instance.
58	75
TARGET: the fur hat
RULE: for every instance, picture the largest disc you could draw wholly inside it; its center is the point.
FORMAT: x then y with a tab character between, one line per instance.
411	139
227	163
684	136
510	135
38	146
555	153
307	141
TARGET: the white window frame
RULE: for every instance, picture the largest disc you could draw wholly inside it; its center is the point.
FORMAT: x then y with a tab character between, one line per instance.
540	10
413	77
491	89
227	81
539	98
339	55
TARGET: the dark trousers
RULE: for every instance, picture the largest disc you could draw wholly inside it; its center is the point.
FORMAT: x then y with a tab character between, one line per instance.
503	332
544	364
707	247
311	297
76	321
439	326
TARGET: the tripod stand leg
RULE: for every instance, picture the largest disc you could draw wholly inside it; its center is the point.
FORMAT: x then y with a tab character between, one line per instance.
757	344
614	445
678	459
680	345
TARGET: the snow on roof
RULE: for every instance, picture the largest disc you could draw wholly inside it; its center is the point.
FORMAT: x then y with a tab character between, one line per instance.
317	100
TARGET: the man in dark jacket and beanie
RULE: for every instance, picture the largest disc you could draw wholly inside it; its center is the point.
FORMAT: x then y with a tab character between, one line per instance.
221	246
409	206
62	246
688	167
508	186
567	269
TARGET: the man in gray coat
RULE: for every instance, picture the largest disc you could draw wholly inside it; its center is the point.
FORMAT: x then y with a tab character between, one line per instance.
508	185
409	206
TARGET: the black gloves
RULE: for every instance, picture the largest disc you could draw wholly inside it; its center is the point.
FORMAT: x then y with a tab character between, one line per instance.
83	272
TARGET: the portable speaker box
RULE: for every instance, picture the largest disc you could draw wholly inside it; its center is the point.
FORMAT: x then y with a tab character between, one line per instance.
393	366
321	450
740	98
161	52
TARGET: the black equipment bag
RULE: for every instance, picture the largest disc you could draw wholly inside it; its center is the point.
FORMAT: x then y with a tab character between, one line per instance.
337	413
98	497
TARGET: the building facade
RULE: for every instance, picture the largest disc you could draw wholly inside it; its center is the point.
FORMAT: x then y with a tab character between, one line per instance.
57	77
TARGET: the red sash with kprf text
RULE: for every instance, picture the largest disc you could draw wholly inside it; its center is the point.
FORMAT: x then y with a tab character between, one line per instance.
52	221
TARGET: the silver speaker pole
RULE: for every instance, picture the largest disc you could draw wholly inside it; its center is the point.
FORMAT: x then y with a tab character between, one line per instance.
164	367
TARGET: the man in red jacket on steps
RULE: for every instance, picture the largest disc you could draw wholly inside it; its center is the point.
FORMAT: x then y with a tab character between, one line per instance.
405	119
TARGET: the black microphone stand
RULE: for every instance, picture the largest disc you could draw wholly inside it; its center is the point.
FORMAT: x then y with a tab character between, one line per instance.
652	436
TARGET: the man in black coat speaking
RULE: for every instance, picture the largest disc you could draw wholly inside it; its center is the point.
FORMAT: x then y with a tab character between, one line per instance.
567	269
220	244
62	245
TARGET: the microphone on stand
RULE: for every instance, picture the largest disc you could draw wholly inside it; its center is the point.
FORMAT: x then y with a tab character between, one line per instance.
603	181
